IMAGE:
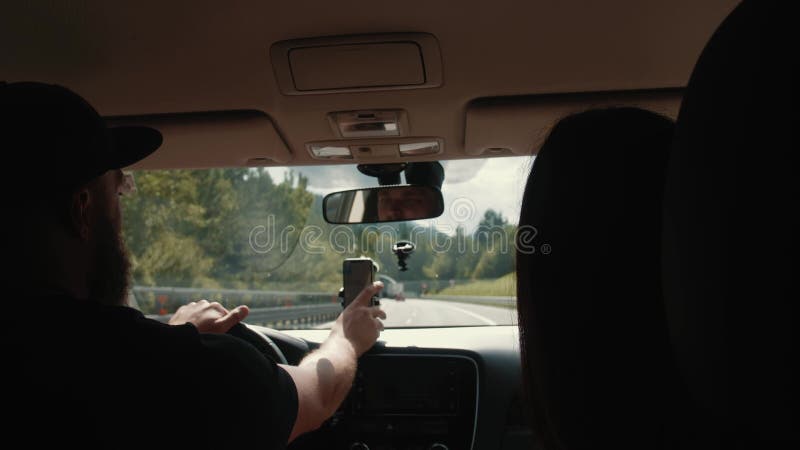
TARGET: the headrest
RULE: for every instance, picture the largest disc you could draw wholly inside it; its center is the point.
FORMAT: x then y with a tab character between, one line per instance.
590	292
730	231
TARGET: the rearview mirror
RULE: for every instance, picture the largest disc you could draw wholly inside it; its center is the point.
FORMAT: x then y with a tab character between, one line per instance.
383	204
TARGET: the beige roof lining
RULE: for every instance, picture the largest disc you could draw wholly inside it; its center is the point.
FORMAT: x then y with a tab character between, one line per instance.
152	57
494	127
517	125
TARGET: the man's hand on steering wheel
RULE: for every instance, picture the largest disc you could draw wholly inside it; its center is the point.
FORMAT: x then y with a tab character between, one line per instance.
209	317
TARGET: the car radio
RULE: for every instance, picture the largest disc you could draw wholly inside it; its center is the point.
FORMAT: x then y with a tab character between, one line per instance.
405	401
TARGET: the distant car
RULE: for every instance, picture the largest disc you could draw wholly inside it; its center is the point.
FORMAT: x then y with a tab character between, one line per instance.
391	288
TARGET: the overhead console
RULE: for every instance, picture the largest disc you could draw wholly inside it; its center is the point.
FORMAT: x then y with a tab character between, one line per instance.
363	63
357	63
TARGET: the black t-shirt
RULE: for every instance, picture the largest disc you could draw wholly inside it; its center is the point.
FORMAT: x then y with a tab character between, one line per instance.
83	375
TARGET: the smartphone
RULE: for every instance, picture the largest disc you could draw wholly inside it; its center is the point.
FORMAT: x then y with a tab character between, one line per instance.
357	273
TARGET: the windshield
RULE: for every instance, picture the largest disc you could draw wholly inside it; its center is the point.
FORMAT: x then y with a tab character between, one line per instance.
257	237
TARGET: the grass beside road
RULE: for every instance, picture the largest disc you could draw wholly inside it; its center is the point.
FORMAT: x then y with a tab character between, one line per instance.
503	286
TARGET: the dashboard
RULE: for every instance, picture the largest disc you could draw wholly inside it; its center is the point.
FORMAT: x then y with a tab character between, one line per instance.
424	389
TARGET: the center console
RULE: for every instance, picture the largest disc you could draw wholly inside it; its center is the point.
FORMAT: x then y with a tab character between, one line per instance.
404	401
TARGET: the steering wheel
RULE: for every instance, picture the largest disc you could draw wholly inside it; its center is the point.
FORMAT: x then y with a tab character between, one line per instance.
261	342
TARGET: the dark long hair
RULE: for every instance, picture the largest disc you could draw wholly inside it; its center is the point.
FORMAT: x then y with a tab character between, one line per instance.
592	333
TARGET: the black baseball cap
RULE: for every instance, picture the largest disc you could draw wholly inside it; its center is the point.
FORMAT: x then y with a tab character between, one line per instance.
54	133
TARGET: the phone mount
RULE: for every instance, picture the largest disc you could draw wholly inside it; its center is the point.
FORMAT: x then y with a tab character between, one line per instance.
425	173
387	174
403	249
376	301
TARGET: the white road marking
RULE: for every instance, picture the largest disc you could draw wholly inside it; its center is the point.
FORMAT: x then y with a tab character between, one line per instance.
483	319
413	315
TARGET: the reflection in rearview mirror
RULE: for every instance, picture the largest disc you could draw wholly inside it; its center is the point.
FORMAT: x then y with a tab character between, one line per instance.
383	204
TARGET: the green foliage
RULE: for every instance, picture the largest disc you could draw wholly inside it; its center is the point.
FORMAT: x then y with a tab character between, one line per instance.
488	253
194	227
161	225
240	229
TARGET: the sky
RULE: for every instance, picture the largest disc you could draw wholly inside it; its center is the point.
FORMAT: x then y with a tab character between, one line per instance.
470	187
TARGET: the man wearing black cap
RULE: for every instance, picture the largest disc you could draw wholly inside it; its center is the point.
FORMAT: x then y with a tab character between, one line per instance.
80	367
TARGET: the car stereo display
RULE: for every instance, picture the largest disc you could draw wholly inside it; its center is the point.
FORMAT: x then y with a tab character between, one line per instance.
407	385
404	402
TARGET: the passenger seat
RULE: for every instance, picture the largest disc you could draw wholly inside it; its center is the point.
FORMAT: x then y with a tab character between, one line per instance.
596	341
731	230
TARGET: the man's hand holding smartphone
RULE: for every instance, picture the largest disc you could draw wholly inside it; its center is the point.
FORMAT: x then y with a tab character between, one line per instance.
360	323
324	377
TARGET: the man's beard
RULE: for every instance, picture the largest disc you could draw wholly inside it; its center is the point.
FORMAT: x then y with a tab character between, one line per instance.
111	272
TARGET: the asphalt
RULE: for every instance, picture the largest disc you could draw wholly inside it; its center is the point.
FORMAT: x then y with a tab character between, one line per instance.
414	312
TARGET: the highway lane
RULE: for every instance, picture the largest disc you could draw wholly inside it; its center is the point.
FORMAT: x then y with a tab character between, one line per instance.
414	312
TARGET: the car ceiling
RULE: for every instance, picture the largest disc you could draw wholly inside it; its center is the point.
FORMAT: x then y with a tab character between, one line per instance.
147	58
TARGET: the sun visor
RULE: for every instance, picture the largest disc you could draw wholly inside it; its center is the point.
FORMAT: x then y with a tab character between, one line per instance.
518	125
212	139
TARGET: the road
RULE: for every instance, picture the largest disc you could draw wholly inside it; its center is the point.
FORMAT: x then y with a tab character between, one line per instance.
415	312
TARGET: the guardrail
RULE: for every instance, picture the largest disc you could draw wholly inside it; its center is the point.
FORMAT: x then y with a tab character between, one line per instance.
284	317
275	309
502	301
225	292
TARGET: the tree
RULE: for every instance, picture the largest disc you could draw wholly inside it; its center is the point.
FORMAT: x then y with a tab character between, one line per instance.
160	222
238	228
490	228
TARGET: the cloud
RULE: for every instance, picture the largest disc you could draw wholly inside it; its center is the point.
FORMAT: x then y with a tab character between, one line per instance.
498	184
328	178
462	170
